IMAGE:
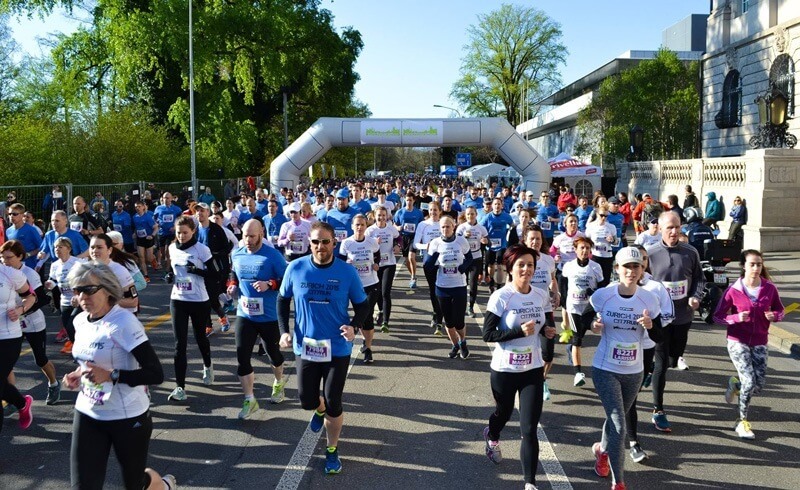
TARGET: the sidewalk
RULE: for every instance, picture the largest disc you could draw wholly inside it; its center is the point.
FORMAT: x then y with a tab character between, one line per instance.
784	267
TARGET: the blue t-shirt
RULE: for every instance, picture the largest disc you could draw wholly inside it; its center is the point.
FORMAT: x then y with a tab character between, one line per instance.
144	224
166	217
408	220
122	223
30	239
497	225
272	224
544	212
261	206
263	265
79	244
322	296
362	207
583	216
342	222
477	203
394	198
616	219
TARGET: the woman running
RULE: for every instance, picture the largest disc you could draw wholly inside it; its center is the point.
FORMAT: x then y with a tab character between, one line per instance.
146	228
514	320
603	235
59	270
100	250
477	237
425	232
386	235
747	308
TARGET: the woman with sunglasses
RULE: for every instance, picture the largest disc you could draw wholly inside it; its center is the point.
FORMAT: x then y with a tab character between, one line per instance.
603	234
191	263
59	270
115	363
386	236
100	249
626	314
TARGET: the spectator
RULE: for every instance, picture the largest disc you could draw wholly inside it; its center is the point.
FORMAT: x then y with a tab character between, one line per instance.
739	215
98	197
207	197
672	205
626	210
690	200
54	201
229	190
714	210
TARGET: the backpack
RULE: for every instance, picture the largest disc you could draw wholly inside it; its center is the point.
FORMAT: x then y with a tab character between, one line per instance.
652	211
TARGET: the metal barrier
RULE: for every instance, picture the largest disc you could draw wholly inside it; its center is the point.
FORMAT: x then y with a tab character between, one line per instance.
107	192
33	198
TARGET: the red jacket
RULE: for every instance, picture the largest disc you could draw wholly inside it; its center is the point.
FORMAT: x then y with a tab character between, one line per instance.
564	199
625	209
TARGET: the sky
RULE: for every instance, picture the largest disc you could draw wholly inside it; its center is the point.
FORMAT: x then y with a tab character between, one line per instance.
413	49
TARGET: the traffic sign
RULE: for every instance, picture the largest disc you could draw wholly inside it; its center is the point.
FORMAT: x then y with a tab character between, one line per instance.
464	159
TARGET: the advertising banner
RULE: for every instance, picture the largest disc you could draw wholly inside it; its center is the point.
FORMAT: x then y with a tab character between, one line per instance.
399	132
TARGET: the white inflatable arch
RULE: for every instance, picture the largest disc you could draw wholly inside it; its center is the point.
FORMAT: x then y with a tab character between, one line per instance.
329	132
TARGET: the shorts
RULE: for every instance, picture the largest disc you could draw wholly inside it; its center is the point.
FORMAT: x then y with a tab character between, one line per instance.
495	256
331	374
145	242
129	247
408	241
164	240
582	322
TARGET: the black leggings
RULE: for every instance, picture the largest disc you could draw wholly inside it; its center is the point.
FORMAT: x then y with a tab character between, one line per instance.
247	331
430	276
68	314
453	304
92	441
673	342
631	418
37	341
9	353
505	387
386	278
214	288
475	269
372	298
181	312
607	265
332	374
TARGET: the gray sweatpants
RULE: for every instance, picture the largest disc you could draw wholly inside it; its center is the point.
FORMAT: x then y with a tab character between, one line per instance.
617	394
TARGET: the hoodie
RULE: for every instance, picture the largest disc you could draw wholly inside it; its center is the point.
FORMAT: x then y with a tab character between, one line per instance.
714	208
735	300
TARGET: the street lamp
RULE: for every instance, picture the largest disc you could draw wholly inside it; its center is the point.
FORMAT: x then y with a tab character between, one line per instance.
636	135
772	115
458	149
191	106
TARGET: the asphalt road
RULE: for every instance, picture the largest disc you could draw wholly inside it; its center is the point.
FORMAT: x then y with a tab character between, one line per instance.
414	419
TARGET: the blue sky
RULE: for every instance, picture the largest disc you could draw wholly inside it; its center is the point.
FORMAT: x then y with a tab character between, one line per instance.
412	49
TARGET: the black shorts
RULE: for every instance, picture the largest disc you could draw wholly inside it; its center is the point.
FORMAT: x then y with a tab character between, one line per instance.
408	242
145	242
582	322
164	240
331	374
495	256
129	247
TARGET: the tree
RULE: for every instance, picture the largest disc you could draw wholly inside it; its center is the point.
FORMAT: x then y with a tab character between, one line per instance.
660	95
512	52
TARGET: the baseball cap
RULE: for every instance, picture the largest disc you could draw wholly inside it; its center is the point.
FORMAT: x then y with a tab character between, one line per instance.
654	221
343	193
293	210
646	195
629	255
202	205
613	200
530	193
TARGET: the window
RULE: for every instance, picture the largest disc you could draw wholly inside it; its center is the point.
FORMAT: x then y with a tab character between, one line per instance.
583	188
730	115
745	6
781	76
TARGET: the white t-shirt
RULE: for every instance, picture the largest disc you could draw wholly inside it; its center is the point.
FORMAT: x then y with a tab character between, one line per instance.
11	281
189	287
664	303
646	239
542	276
477	232
301	231
124	277
565	245
580	280
514	309
451	256
388	206
620	347
598	234
33	322
385	237
425	232
108	343
361	256
58	274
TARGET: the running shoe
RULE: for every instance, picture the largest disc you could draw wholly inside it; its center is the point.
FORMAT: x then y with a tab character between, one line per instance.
53	394
26	414
580	379
9	409
619	486
177	395
147	280
647	380
492	448
546	390
333	465
62	336
154	264
385	328
637	453
169	482
367	356
733	389
317	421
743	429
453	352
682	364
530	486
438	330
660	421
277	391
67	349
209	331
225	324
249	407
208	375
412	284
464	349
471	311
601	466
379	318
169	277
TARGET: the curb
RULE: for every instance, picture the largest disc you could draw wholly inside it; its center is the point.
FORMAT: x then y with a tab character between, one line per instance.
785	341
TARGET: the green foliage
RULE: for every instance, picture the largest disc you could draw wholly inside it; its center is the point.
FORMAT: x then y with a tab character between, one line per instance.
511	52
660	95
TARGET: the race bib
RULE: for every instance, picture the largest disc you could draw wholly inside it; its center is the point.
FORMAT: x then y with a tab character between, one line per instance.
316	350
517	359
623	354
363	268
409	227
474	244
384	258
97	394
183	283
296	246
495	243
545	225
424	206
677	289
601	247
76	225
118	228
252	306
141	233
579	296
449	268
22	324
340	235
167	218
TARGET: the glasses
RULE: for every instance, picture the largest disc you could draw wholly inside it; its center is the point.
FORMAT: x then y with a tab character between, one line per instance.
87	290
602	215
14	214
324	241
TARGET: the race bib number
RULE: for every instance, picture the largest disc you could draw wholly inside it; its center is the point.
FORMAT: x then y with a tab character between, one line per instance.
296	246
518	359
545	225
141	233
409	227
76	225
384	258
363	268
118	228
601	246
474	244
495	243
424	206
340	235
677	289
97	394
579	296
167	218
450	268
623	354
316	350
183	284
22	324
252	306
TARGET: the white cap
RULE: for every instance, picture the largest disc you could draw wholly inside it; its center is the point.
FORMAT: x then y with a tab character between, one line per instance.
115	236
629	255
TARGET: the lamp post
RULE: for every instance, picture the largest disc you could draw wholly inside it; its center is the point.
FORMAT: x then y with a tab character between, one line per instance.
191	106
636	135
772	125
458	149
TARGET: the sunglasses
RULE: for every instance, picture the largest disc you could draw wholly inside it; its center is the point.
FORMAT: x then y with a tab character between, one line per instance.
324	241
14	214
87	290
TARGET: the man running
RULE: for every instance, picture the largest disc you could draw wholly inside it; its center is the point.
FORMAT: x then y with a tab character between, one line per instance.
165	216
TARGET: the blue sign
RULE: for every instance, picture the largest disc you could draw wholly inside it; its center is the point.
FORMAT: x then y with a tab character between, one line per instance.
464	159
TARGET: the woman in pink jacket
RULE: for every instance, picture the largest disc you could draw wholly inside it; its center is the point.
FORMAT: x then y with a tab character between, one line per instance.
747	308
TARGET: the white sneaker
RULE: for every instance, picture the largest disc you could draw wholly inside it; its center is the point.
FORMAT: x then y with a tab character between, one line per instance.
169	482
682	364
208	375
744	430
177	395
580	379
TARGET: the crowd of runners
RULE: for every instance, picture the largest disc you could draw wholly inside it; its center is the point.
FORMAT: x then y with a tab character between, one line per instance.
292	267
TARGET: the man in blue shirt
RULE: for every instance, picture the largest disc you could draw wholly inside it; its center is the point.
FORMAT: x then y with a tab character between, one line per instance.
583	211
406	221
547	217
497	223
341	218
473	199
256	274
58	222
615	218
262	202
23	233
122	222
361	205
165	215
322	288
272	224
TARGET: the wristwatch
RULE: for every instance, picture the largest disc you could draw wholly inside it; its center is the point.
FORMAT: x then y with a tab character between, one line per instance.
115	376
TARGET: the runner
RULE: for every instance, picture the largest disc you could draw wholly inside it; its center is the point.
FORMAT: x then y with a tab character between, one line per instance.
449	258
100	250
192	263
121	222
256	274
514	320
211	235
26	234
273	223
165	216
364	253
477	237
603	236
747	308
625	314
59	270
547	217
341	219
293	236
425	233
386	236
83	221
497	224
322	287
146	229
406	221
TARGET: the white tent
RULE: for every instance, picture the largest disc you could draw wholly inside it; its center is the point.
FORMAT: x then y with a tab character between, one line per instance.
563	165
482	172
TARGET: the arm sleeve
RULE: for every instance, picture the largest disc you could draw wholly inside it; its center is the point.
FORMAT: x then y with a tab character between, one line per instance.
41	300
491	332
430	262
656	333
150	372
284	306
360	314
467	262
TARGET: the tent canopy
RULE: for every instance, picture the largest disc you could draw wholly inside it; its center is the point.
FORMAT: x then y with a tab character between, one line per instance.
484	171
563	165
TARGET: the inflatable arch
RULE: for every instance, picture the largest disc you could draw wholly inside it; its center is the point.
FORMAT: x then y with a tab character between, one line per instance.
329	132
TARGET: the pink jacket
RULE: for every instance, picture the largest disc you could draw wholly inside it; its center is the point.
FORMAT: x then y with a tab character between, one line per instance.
735	300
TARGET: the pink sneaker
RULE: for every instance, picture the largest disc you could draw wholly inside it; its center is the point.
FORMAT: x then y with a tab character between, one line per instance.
601	466
25	414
